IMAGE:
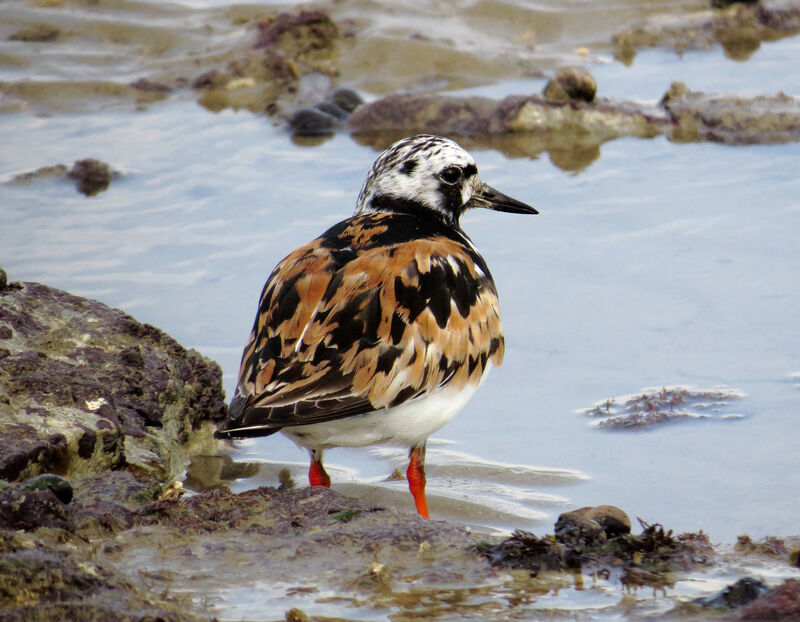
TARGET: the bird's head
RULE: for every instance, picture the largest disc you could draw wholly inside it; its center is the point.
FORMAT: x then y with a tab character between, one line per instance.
430	175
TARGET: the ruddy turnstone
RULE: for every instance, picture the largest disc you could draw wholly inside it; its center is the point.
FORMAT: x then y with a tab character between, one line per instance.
381	329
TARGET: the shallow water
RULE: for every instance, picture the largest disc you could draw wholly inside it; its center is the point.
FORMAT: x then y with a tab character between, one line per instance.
656	264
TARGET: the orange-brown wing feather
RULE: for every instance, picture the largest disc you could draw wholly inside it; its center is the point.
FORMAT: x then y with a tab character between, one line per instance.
347	330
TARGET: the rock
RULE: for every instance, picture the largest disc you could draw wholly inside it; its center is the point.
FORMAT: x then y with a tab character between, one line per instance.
211	79
590	525
571	84
599	120
3	285
313	27
738	26
732	120
326	116
85	388
26	510
42	580
143	84
38	33
59	486
781	602
91	176
744	591
346	99
43	172
296	615
313	122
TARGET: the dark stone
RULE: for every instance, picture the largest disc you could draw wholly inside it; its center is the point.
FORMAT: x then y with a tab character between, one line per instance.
60	487
87	443
742	592
31	509
21	447
312	122
592	524
332	109
571	84
346	99
92	176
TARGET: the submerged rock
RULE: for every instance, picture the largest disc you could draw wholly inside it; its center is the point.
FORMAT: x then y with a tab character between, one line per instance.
600	120
85	388
572	118
739	29
764	119
91	176
287	47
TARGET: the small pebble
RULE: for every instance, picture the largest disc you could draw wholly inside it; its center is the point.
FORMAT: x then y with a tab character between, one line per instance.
571	84
346	99
312	122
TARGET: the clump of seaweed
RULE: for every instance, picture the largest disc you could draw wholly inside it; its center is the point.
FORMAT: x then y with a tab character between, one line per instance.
603	547
653	406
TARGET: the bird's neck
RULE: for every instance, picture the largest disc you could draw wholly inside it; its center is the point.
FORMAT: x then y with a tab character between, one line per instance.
394	205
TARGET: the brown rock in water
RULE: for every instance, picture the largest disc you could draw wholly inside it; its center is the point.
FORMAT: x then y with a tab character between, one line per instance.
571	84
589	525
38	33
52	171
92	176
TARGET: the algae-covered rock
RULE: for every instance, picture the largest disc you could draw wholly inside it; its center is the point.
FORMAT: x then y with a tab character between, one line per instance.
732	119
739	29
599	119
85	388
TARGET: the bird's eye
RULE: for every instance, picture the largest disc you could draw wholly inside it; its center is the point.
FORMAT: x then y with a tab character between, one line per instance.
451	175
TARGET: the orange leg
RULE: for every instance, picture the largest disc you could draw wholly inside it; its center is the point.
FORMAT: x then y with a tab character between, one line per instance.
316	472
416	478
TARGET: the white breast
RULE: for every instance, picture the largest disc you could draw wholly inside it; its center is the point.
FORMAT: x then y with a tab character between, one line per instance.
408	424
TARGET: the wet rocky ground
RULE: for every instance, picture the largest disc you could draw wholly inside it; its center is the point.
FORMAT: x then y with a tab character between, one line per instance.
100	414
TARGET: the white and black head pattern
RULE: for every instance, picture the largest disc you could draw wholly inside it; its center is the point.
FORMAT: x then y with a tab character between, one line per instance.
424	171
428	174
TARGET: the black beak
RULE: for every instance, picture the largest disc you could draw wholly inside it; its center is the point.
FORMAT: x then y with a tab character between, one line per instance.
493	199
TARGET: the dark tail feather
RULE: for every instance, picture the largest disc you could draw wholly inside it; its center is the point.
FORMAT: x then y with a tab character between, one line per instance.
234	426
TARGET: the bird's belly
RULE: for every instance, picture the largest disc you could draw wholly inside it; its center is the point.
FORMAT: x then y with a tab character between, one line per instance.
408	424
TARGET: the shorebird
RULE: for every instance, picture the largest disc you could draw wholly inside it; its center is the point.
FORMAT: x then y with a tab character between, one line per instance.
381	329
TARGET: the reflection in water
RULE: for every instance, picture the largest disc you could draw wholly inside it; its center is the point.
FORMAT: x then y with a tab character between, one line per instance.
489	496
